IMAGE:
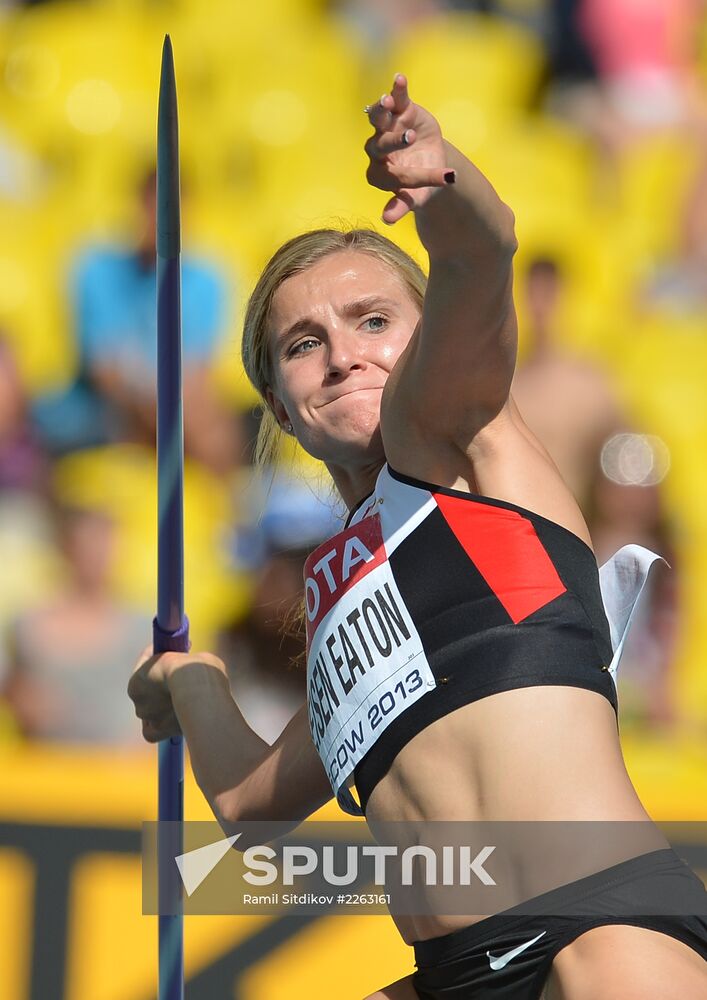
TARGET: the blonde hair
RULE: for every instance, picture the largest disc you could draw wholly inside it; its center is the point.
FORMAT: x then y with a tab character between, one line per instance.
293	257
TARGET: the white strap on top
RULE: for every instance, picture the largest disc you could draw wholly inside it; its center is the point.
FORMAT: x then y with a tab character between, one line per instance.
622	579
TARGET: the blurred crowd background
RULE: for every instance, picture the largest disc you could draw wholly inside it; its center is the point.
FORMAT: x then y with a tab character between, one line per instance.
590	118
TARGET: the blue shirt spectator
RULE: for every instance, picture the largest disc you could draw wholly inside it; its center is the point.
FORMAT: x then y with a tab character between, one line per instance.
114	297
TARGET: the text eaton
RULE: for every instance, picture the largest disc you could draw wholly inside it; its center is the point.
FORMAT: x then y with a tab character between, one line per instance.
376	626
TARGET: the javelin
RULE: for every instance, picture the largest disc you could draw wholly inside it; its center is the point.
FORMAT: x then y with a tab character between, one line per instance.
171	626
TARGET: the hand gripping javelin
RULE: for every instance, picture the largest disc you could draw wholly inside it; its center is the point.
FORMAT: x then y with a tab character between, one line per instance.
171	626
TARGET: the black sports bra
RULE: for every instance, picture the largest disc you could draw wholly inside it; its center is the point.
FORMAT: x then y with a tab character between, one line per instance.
431	598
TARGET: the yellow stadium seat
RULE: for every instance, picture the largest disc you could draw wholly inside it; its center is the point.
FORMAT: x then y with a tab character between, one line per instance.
225	14
290	91
33	309
76	74
468	67
539	165
654	176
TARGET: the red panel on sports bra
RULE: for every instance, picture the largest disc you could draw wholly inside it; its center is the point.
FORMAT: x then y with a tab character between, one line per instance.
505	548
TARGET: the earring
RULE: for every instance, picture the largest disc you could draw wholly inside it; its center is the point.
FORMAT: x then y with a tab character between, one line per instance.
288	427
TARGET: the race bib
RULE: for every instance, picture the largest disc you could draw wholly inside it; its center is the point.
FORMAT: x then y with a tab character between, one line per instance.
365	661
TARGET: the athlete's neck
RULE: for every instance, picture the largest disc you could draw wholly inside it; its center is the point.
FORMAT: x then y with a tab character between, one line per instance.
354	484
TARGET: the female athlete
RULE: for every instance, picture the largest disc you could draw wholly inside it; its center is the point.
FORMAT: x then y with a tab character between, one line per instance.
464	575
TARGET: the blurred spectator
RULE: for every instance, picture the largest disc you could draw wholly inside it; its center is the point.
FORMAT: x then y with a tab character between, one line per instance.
286	518
22	176
566	401
114	397
67	657
25	533
264	652
531	14
571	407
569	59
284	510
643	56
23	464
679	286
379	21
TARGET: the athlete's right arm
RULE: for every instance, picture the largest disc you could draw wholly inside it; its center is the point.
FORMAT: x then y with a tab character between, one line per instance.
241	776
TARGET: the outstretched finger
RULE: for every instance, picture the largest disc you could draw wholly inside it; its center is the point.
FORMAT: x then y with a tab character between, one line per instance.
398	206
399	93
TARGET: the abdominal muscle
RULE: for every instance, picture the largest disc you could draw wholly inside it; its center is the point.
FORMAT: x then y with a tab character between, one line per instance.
533	754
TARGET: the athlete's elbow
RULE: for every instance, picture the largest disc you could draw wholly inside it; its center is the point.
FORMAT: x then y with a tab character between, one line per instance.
498	236
227	809
507	231
248	827
243	816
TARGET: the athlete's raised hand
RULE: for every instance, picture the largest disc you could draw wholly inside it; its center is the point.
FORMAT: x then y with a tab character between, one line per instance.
406	151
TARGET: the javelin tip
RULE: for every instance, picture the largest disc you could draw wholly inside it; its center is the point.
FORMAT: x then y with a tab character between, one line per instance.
168	239
167	54
168	87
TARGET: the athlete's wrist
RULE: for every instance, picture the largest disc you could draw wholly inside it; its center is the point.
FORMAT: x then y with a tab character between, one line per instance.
185	670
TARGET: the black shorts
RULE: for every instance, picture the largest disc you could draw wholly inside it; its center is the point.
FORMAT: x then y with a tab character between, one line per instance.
508	956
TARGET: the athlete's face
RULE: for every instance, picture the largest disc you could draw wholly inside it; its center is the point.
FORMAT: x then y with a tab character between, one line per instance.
337	330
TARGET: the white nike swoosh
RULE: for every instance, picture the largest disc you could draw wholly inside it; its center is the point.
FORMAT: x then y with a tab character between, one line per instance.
502	961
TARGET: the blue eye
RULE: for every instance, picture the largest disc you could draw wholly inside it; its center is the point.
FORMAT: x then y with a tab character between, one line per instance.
297	348
381	320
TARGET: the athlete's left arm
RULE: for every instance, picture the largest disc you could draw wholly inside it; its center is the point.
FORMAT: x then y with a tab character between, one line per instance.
456	373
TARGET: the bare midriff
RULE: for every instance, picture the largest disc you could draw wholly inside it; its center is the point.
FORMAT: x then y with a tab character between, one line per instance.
546	753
